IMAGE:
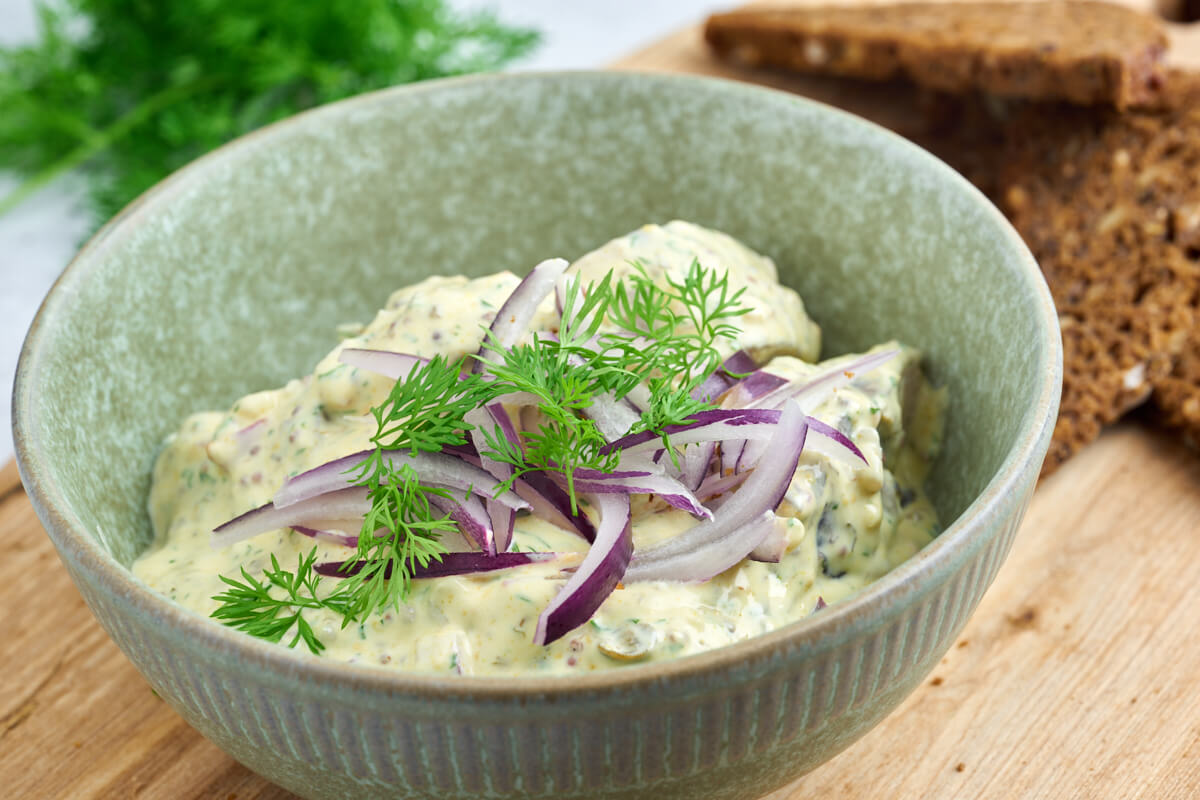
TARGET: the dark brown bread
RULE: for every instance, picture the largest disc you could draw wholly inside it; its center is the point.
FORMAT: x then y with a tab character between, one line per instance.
1081	52
1109	203
1177	395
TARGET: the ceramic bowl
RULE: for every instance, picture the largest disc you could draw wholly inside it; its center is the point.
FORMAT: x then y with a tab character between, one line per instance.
230	276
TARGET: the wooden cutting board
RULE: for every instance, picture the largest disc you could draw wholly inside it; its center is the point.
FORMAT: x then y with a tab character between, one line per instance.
1077	677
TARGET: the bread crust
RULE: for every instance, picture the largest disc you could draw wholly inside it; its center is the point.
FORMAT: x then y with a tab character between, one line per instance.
1080	52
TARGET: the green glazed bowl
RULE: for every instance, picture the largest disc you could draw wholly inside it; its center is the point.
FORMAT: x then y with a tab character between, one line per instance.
229	277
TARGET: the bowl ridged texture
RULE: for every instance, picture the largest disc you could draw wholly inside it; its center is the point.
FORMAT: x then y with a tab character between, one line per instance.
231	276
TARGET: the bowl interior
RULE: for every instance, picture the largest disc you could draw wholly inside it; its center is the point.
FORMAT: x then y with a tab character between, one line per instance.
232	276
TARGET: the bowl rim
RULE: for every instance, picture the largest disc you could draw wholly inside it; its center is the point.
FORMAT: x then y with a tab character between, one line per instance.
819	632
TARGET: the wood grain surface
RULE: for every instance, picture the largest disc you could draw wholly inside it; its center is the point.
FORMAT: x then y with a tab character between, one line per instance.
1077	677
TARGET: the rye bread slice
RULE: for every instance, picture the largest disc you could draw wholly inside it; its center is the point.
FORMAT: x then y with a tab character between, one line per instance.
1081	52
1109	203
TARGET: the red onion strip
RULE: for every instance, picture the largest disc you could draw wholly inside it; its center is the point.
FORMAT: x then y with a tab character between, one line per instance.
719	381
716	485
469	513
549	502
342	504
450	564
546	500
640	482
694	464
772	548
829	442
742	522
322	534
514	316
596	577
435	469
812	391
387	363
714	425
502	519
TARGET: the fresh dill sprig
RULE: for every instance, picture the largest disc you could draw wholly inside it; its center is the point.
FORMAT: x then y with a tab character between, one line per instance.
564	439
670	336
401	531
425	411
249	606
128	92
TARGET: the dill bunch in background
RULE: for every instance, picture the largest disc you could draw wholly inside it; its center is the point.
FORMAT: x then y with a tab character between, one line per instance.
130	90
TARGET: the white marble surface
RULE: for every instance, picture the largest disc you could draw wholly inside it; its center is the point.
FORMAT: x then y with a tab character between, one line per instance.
38	238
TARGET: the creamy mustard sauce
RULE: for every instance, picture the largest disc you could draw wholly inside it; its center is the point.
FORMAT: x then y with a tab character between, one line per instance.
846	524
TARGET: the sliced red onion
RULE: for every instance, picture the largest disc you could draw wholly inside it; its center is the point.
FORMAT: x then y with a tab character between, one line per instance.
756	385
747	432
455	542
466	451
717	485
501	519
639	397
811	392
713	387
338	532
640	481
560	295
771	548
518	399
594	580
638	407
503	421
514	316
387	363
739	363
246	442
324	535
842	444
254	429
732	427
817	389
549	502
829	442
349	525
731	456
528	418
714	425
469	513
435	469
450	564
613	417
719	381
504	521
342	504
741	523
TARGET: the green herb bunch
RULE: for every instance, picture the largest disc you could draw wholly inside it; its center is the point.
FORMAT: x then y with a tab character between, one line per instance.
249	606
130	90
423	413
661	338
